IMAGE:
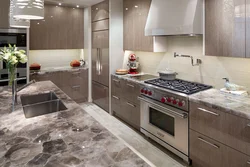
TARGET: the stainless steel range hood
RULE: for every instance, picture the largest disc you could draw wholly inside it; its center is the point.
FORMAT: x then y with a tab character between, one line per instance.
175	17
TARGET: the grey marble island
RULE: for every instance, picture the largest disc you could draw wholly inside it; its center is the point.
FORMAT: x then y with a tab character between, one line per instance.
62	139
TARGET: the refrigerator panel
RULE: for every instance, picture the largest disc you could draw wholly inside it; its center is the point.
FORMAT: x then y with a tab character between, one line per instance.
100	95
104	57
95	65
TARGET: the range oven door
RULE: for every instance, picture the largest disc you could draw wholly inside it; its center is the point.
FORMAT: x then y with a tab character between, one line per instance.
168	125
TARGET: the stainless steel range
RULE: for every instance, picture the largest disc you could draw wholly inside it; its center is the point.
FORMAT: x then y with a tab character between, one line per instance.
164	112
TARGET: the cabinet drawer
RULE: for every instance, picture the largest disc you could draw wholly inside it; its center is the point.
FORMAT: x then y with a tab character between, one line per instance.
226	128
205	152
116	85
131	91
115	103
132	111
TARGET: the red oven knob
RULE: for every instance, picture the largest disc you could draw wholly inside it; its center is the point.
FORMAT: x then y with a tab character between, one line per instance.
146	92
163	100
142	90
150	93
174	102
181	103
169	100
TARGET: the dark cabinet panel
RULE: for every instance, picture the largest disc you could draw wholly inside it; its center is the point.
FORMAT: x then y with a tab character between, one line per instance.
62	28
135	17
100	11
4	14
206	152
100	95
225	28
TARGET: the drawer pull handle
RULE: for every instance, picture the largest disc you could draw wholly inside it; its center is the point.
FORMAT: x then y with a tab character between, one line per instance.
115	97
76	73
132	105
210	112
76	87
248	126
115	80
248	162
132	86
213	145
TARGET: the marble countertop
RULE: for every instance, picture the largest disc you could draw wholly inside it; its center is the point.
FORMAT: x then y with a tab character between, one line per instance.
236	105
62	139
57	69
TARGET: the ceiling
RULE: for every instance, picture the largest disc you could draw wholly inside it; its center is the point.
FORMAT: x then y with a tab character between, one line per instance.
73	3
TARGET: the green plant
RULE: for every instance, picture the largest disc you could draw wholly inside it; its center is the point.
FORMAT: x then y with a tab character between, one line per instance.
12	56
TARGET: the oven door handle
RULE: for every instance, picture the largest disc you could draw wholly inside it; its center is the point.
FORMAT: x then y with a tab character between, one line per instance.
184	116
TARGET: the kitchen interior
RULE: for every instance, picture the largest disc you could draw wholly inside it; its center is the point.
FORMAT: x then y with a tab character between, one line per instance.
125	83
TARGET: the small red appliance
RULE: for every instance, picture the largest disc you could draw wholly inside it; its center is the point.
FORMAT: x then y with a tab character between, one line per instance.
133	64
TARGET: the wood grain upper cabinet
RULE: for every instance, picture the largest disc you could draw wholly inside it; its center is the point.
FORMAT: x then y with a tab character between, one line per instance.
4	13
135	17
100	11
62	28
247	28
225	28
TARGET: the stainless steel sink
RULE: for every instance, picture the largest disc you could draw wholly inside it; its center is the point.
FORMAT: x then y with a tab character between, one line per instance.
41	104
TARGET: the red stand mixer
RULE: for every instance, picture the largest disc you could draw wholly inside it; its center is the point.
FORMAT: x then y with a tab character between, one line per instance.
133	64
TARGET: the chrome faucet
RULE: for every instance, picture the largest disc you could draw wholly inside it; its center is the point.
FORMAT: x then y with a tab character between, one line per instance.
15	91
198	61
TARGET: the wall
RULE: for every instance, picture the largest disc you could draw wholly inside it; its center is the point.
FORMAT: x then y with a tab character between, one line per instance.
55	58
212	70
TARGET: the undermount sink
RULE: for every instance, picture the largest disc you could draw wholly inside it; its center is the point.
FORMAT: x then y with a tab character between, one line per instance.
41	104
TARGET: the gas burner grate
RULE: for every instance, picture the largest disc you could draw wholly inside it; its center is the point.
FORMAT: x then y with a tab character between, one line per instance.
179	85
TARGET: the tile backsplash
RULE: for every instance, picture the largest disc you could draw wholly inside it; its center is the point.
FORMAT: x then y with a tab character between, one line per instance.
211	71
55	58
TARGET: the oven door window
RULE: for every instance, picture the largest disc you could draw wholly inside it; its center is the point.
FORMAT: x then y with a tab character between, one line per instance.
162	121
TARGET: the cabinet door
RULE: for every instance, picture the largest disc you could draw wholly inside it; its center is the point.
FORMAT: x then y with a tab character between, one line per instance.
100	95
62	28
100	11
205	152
100	39
225	28
4	13
135	17
247	28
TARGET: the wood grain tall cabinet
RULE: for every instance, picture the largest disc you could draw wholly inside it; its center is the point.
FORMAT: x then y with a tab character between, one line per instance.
100	54
135	17
248	28
62	28
225	28
4	14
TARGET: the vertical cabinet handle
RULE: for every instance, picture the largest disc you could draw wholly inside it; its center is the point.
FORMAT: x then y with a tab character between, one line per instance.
207	142
209	112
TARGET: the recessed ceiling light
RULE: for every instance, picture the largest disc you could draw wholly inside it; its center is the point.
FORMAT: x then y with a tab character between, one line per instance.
136	6
77	6
60	4
38	23
51	16
96	8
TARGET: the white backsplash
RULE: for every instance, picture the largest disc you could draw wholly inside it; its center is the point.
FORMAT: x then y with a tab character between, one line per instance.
211	71
55	58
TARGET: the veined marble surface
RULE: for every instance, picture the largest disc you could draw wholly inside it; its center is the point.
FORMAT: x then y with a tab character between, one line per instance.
228	103
62	139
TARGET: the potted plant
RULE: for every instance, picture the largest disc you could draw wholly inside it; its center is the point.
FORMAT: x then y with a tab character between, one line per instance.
12	56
